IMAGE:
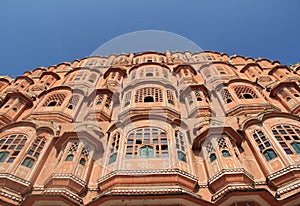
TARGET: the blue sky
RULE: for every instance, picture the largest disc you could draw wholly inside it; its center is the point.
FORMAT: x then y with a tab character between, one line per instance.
43	33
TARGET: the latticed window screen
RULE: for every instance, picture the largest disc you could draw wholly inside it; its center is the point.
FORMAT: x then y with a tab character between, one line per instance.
244	92
99	99
180	145
108	102
84	155
210	150
170	97
11	146
147	142
264	145
148	94
71	150
288	138
209	147
226	96
223	146
34	152
73	147
198	93
114	147
54	100
73	101
127	98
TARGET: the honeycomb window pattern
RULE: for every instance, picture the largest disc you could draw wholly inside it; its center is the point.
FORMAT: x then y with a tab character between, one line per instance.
244	92
223	146
170	97
99	99
226	96
73	102
148	94
55	100
84	155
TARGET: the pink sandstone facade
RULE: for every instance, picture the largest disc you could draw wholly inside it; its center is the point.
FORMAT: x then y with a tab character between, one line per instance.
152	129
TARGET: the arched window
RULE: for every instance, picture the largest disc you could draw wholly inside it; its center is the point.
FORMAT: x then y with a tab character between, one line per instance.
92	78
190	99
54	100
149	74
170	97
11	146
99	99
3	156
82	161
73	102
28	162
72	149
244	92
288	137
264	145
114	147
147	142
148	94
223	147
108	102
180	145
199	94
226	96
34	152
269	154
212	157
84	155
127	99
69	158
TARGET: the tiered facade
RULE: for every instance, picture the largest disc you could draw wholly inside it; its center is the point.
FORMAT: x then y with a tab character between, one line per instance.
152	129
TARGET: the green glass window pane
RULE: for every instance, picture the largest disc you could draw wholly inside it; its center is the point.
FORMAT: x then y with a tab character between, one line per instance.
296	147
225	153
70	158
3	156
82	161
147	152
181	156
212	157
28	162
